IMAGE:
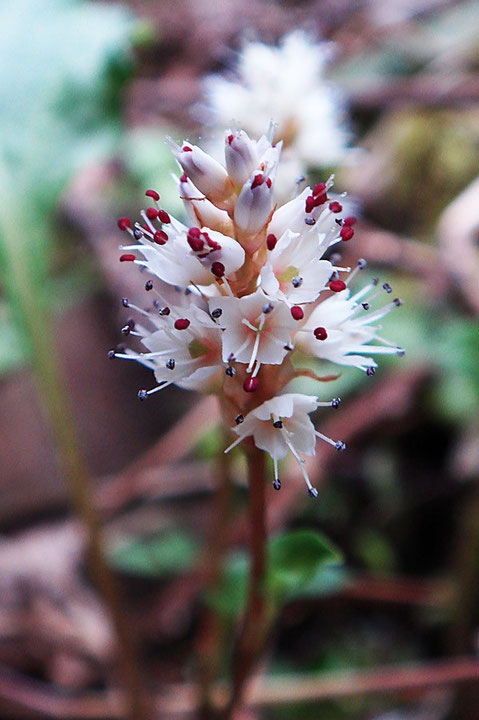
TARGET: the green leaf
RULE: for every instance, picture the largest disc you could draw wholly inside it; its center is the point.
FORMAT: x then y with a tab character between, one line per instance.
296	557
297	565
162	555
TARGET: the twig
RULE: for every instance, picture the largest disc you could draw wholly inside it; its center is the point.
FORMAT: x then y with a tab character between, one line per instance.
35	699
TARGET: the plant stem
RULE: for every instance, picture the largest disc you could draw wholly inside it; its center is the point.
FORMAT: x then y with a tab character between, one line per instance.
255	623
210	642
27	295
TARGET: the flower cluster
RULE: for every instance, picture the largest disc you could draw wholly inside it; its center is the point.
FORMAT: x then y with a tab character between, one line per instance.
287	83
243	288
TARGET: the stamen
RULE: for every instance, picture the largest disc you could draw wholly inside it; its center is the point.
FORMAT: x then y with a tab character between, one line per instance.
251	384
346	233
276	481
271	241
297	312
338	444
143	394
320	333
337	286
124	223
218	269
311	489
254	352
233	445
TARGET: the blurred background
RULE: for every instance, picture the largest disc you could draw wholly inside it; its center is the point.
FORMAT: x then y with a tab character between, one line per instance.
88	92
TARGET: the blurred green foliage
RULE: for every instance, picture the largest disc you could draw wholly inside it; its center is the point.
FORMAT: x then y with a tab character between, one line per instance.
299	563
63	64
169	553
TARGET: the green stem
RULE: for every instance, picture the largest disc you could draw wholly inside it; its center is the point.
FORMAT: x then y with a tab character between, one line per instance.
27	293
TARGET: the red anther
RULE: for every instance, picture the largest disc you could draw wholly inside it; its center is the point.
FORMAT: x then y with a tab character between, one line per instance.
194	232
319	189
124	223
196	244
153	194
320	333
337	285
310	203
230	138
271	241
212	243
127	257
163	216
250	384
346	233
160	237
187	148
152	213
146	227
181	324
349	221
335	207
320	199
258	180
268	182
184	178
218	269
297	312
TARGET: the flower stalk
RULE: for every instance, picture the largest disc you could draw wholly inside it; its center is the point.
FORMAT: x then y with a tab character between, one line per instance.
232	297
255	622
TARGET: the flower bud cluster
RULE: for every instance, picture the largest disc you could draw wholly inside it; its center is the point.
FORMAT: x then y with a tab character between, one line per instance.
244	287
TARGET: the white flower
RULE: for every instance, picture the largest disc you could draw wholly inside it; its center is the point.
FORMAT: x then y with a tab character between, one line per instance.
183	346
235	294
285	84
182	256
294	271
340	328
282	425
256	330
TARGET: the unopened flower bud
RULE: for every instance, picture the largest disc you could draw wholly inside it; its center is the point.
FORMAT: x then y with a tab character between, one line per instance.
254	204
206	173
241	157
